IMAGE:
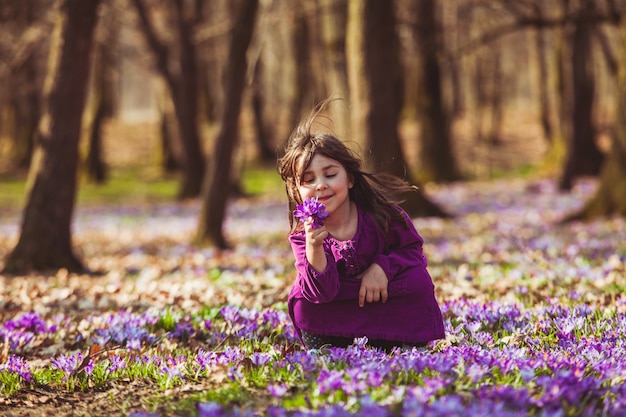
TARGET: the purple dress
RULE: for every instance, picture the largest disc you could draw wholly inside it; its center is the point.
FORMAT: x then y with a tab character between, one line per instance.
326	303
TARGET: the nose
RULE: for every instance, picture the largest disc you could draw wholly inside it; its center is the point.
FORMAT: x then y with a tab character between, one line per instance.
321	184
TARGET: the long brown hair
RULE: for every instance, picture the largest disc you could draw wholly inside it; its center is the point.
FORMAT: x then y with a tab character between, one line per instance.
378	194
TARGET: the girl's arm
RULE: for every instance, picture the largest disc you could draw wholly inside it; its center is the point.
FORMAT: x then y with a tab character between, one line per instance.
403	249
315	245
317	286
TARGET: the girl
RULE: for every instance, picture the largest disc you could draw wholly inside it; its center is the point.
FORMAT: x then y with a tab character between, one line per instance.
361	270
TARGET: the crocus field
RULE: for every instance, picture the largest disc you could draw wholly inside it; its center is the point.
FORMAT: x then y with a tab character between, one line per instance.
534	310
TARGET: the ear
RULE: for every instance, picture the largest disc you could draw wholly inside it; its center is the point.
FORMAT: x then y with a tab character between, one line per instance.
350	182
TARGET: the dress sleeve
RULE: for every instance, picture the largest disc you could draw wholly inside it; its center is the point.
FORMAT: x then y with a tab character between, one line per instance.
316	287
403	249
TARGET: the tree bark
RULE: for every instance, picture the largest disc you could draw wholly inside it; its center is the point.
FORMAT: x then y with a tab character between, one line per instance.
333	18
373	77
437	161
263	132
583	156
610	197
217	184
25	85
96	167
102	96
543	80
26	105
45	239
183	87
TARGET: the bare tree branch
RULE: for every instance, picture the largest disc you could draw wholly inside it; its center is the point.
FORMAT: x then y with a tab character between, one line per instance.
533	21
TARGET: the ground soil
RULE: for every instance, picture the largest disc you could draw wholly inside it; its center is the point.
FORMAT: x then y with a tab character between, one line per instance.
520	145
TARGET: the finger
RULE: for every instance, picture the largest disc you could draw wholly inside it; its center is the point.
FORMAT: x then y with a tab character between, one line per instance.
375	296
384	295
370	296
362	293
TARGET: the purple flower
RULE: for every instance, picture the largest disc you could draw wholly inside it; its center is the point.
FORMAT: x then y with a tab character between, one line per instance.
211	409
182	331
260	358
277	390
68	364
311	208
18	365
117	363
31	321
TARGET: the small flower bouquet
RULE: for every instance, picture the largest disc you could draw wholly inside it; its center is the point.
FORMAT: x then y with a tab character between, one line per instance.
311	207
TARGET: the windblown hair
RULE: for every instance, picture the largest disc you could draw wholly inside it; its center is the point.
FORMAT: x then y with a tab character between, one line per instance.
378	194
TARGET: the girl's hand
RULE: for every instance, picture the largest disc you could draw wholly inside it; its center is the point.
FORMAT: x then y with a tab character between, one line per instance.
314	236
373	285
314	245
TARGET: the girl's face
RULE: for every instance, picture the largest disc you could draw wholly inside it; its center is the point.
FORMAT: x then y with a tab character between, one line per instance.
328	180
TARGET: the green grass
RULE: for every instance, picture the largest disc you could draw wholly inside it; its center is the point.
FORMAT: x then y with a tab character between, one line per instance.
130	186
12	191
263	180
126	187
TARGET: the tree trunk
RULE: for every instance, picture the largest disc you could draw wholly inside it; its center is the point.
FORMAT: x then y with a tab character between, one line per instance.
543	79
454	20
496	98
562	91
26	105
169	159
333	18
263	132
96	168
45	239
373	68
186	107
103	100
610	198
437	162
25	89
583	157
217	184
183	88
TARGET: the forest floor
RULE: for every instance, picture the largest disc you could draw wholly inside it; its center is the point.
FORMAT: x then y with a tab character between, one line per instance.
145	259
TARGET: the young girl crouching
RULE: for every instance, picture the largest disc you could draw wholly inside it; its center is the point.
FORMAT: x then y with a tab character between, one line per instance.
361	271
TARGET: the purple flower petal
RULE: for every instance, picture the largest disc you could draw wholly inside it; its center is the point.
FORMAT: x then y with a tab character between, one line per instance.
311	207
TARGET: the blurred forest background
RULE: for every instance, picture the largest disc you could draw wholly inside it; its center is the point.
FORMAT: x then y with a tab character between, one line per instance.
206	90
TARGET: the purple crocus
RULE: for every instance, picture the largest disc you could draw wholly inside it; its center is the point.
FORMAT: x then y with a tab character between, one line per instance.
68	364
18	365
311	207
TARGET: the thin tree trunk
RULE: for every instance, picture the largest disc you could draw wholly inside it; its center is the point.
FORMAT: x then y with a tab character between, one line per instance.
554	159
184	92
96	168
496	99
217	184
333	18
26	92
373	73
543	74
103	99
45	238
169	161
267	152
27	112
